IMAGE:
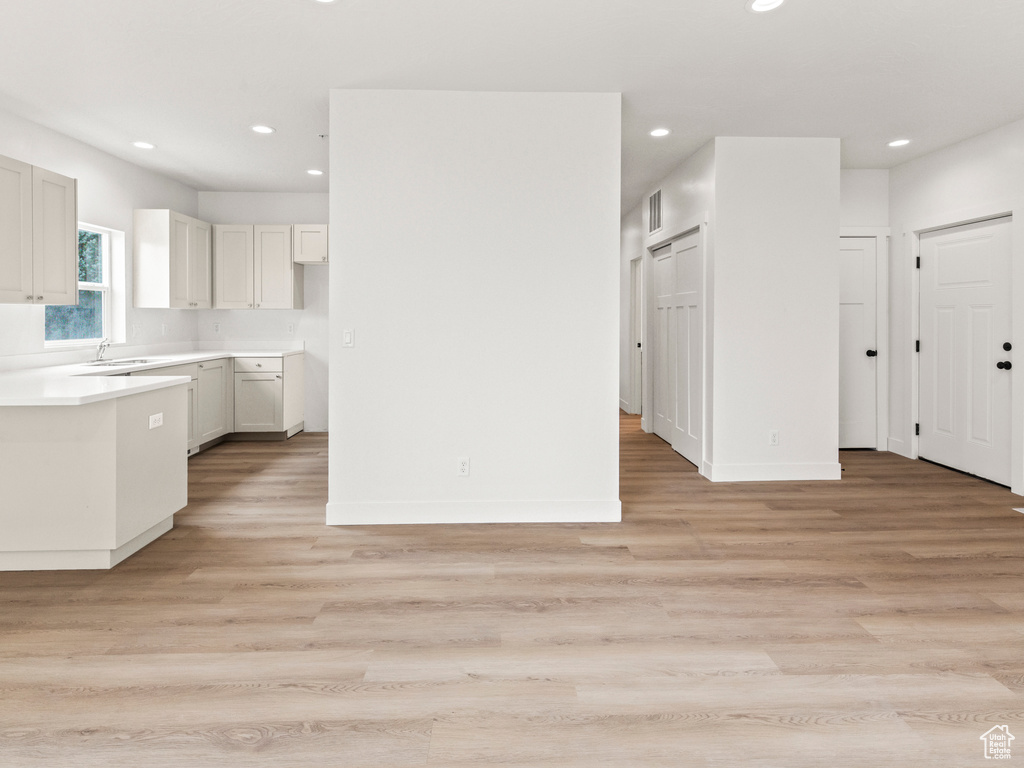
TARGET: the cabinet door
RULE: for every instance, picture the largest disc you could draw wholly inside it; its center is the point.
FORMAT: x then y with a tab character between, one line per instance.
181	288
15	231
272	267
193	417
232	266
54	238
215	398
259	402
199	266
309	243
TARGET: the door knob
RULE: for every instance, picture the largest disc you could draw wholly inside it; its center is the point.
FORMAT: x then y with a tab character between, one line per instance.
1007	347
872	353
1005	365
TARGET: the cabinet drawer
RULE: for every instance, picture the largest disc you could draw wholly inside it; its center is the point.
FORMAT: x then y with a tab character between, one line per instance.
188	369
259	364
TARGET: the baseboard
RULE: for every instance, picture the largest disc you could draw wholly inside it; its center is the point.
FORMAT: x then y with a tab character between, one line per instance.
623	405
898	447
82	559
442	512
737	473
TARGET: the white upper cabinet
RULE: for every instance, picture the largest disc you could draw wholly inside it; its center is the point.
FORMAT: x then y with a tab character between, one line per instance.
309	243
232	266
253	267
38	235
172	260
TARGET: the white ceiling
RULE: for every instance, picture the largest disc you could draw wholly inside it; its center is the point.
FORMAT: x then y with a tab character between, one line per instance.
192	75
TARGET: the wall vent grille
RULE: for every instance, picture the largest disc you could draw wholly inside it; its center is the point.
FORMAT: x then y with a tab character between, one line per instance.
654	220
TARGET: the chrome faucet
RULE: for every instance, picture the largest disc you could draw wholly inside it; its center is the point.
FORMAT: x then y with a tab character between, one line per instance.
101	349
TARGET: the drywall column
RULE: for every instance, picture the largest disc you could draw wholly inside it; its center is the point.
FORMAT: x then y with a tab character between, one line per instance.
474	307
775	340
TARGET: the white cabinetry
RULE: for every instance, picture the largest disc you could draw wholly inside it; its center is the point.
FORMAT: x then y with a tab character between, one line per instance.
38	235
309	243
269	394
253	267
172	260
216	397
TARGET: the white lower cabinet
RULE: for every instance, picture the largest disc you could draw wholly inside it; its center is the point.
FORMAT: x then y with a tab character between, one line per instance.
245	394
259	402
216	399
269	394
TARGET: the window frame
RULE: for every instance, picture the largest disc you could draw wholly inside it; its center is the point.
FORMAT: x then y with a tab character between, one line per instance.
105	289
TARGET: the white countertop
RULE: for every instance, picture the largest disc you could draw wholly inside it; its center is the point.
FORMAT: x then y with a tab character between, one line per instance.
83	383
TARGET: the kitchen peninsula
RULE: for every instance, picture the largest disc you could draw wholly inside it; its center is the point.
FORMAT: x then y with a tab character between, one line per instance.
93	458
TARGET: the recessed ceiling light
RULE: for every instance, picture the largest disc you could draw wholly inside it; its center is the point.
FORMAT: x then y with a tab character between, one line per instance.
899	143
660	132
143	145
315	171
262	129
760	6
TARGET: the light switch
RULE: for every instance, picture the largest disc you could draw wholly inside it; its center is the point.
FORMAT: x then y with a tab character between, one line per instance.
348	338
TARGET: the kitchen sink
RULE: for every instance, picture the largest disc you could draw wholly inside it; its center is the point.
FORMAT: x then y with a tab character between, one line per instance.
132	361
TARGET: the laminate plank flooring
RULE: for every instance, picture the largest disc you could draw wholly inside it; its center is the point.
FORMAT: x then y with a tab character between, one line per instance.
873	621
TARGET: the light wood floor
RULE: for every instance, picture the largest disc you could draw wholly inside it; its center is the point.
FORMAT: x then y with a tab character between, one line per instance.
873	621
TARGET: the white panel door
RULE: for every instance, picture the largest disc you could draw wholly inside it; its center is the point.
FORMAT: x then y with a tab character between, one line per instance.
54	238
15	231
965	323
259	402
181	286
686	309
662	343
858	351
272	267
199	266
232	266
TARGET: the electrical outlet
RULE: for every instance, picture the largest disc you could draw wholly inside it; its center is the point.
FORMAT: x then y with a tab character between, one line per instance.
463	466
291	327
773	438
156	420
164	328
216	327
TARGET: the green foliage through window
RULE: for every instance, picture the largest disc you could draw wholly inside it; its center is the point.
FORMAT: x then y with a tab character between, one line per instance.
90	256
83	321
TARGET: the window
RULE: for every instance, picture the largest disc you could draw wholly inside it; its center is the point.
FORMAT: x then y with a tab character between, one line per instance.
89	320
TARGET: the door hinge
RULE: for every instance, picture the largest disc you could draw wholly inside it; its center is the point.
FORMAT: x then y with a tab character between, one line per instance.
917	345
917	429
918	262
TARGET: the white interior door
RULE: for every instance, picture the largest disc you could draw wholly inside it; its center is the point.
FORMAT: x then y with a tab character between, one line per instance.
858	350
965	323
662	344
687	290
635	326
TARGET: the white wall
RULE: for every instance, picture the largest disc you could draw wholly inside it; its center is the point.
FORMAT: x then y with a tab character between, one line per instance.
288	326
977	178
775	341
864	198
109	190
474	255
